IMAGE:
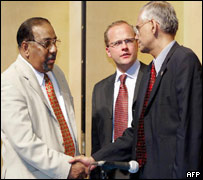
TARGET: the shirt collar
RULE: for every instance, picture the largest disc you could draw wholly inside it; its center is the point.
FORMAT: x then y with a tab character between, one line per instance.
131	72
39	75
161	57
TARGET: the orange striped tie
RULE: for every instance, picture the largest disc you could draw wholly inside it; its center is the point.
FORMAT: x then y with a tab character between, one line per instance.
121	109
67	139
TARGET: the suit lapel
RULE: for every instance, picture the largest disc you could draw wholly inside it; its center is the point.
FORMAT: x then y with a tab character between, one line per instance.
29	75
161	73
109	92
109	96
35	85
65	94
143	89
139	78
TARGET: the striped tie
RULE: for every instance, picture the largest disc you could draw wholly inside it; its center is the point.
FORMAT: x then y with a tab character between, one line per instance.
67	139
141	153
121	109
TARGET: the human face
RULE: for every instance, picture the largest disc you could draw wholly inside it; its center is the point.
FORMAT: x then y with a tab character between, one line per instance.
125	53
41	58
144	35
138	27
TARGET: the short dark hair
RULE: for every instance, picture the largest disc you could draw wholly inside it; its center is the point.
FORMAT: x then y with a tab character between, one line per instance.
25	29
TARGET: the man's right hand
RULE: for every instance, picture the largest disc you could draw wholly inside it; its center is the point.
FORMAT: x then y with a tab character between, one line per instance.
78	171
87	161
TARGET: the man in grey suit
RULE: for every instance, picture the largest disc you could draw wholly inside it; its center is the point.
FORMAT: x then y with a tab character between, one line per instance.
32	132
172	114
122	47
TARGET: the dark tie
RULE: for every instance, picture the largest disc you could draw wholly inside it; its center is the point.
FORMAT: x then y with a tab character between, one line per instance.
141	153
121	109
67	139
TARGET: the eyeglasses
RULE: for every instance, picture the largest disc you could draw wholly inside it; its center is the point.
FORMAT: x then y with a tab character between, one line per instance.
118	43
138	27
47	44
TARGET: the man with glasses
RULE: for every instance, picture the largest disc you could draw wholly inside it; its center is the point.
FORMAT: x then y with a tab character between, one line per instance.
109	116
166	138
38	129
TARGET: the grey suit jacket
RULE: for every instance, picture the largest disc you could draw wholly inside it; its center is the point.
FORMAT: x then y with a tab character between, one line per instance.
32	141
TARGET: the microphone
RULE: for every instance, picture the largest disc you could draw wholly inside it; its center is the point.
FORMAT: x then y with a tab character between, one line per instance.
131	166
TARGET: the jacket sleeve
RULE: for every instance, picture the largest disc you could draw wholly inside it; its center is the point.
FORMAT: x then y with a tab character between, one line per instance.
120	150
17	129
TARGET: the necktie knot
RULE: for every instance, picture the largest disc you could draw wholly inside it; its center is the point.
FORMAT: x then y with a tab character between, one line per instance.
46	78
152	77
123	78
153	70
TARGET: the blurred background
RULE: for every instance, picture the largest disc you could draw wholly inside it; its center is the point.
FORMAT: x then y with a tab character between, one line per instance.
80	27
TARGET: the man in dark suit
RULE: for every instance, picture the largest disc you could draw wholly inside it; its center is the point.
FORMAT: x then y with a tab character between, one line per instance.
173	114
122	48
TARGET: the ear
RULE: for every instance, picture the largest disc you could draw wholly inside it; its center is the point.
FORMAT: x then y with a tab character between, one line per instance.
108	52
154	27
25	48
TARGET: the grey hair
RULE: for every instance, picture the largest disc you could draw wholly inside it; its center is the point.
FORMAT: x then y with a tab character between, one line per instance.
163	13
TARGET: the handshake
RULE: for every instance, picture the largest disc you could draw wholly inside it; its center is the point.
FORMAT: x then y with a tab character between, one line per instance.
81	167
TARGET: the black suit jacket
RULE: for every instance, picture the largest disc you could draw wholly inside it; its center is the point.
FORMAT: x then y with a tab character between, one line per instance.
102	109
172	120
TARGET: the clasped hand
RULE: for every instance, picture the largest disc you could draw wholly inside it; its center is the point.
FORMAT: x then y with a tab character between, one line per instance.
81	167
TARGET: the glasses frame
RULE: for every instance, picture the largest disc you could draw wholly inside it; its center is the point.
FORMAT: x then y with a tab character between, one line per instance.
113	44
53	41
138	27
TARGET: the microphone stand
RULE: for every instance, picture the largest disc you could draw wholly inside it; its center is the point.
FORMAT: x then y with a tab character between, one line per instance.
103	174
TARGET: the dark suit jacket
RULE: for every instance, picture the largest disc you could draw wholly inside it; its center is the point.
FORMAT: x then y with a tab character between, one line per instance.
102	109
172	120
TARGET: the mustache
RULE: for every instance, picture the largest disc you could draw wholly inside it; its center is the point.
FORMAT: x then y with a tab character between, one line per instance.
45	65
52	57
